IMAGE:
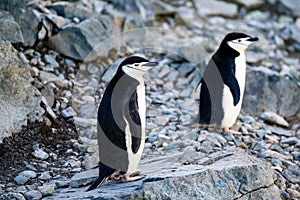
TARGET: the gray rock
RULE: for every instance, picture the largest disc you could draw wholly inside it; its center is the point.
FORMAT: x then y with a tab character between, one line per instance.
175	145
276	147
264	193
24	176
19	100
83	178
71	10
45	176
40	154
273	118
294	193
280	131
59	21
29	21
68	112
264	92
33	195
70	63
292	174
161	120
248	119
47	189
82	41
91	161
250	3
291	6
48	93
47	77
185	68
27	18
12	196
290	140
51	61
61	184
9	28
274	154
223	176
214	7
296	155
83	122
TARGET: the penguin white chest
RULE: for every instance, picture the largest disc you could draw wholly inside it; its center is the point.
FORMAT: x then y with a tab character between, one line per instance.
231	112
134	158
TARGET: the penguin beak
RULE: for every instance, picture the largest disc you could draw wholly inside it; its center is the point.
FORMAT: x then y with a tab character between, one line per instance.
252	39
150	64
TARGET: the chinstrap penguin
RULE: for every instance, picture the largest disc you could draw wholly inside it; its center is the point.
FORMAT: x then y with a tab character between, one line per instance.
121	121
223	82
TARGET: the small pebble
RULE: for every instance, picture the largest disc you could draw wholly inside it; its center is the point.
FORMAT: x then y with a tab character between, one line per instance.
33	195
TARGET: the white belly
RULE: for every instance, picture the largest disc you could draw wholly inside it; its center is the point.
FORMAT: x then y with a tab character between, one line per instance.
134	158
231	112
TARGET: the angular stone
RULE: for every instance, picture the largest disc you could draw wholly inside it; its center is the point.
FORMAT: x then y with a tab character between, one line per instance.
68	112
9	28
50	60
264	91
214	7
292	6
228	175
40	154
81	41
27	18
47	189
24	176
45	176
290	140
83	178
19	100
71	10
33	195
292	174
91	161
273	118
250	3
50	77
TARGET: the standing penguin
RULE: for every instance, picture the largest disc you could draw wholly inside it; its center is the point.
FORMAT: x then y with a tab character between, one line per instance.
121	121
223	82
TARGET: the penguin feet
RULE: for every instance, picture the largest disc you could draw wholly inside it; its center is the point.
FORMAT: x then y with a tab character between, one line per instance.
129	178
134	176
228	130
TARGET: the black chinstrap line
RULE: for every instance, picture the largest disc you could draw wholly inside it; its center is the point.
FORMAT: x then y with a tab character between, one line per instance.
136	69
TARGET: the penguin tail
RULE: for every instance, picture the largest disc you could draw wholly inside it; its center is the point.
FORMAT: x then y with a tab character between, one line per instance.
104	173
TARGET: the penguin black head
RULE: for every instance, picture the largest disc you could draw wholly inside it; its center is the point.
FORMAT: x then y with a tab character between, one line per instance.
237	41
136	66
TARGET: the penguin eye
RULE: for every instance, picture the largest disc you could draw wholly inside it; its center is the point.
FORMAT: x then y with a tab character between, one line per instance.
239	40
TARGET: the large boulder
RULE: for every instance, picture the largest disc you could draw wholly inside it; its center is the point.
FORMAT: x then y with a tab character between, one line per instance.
19	100
27	18
80	41
223	175
9	28
266	90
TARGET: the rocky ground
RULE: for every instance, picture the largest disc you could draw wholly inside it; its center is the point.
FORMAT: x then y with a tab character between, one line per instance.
65	57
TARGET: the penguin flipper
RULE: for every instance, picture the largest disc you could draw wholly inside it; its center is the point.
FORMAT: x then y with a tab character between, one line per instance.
135	128
205	105
234	87
104	173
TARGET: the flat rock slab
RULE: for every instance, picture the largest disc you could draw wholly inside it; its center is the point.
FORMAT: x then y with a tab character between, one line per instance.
222	175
